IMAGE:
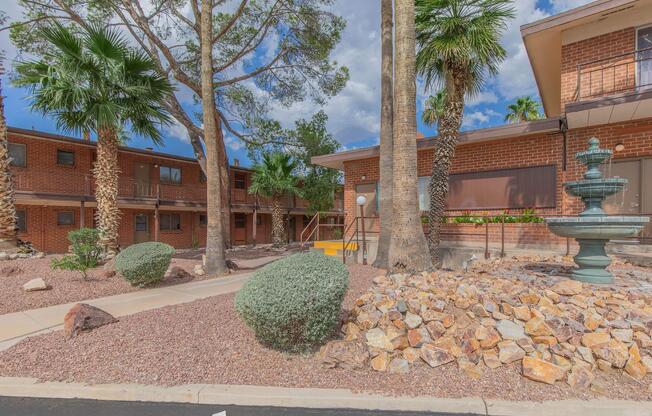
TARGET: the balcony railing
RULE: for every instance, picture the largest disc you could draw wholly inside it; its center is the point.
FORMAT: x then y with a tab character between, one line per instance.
626	72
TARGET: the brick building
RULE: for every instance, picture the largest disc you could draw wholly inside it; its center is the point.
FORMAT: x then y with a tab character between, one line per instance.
162	197
593	68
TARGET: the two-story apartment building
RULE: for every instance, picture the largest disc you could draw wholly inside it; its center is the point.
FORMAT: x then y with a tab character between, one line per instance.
162	197
593	68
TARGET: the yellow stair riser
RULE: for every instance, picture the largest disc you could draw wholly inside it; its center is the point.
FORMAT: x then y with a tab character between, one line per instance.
334	245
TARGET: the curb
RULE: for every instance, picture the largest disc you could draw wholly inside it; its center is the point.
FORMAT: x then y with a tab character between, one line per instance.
315	398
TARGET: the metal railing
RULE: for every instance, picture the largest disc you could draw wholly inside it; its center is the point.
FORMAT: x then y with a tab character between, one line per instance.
625	72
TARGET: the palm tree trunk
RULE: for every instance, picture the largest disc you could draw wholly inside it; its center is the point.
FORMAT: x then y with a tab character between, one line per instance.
8	228
386	141
107	172
408	247
278	226
215	261
449	127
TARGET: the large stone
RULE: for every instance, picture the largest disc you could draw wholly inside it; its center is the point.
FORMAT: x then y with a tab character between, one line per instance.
412	320
614	352
510	330
399	366
567	287
622	335
580	377
176	272
542	371
411	354
367	320
435	356
350	355
509	351
595	338
488	337
472	370
199	270
537	327
522	313
84	317
418	337
377	338
35	285
436	329
490	358
634	366
380	362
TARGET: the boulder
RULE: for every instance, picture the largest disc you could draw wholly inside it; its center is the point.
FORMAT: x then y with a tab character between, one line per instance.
510	330
35	285
567	287
350	355
542	371
509	351
490	358
176	272
594	338
614	352
84	317
580	378
622	335
108	270
522	313
634	366
537	327
377	338
435	356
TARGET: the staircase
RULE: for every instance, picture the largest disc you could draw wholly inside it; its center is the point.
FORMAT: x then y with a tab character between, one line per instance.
334	247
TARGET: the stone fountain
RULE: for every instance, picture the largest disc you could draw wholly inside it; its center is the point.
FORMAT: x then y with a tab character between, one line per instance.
593	228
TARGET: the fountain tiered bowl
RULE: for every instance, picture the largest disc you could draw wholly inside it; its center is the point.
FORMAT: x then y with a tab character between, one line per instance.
593	228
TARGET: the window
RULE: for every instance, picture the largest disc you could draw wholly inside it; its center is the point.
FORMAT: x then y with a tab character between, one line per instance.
202	176
141	222
65	218
203	220
532	187
259	220
240	181
170	222
21	220
17	152
240	220
170	175
65	158
306	221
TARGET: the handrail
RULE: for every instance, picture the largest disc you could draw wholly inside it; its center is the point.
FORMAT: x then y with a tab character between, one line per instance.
307	227
346	244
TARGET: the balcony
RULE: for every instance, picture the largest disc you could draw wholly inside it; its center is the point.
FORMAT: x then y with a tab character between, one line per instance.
613	89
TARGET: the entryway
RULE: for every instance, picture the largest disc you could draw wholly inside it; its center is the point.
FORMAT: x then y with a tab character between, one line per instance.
141	228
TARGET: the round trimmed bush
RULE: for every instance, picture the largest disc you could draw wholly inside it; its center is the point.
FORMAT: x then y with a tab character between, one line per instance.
145	263
294	304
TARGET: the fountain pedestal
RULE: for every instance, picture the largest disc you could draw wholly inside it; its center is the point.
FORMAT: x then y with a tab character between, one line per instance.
593	228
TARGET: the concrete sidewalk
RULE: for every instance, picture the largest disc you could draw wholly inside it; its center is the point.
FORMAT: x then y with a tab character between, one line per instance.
18	325
315	398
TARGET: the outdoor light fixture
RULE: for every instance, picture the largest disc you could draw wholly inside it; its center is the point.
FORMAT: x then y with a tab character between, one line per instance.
619	147
361	200
363	177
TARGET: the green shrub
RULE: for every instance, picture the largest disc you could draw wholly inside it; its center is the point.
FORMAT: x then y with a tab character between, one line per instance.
144	264
86	251
294	304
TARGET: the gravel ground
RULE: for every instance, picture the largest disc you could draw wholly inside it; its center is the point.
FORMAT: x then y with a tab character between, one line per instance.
66	286
206	342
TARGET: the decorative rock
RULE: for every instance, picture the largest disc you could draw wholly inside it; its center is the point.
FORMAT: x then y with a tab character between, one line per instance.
4	256
176	272
411	354
399	366
580	378
35	284
509	352
368	320
529	298
614	352
344	354
473	371
647	362
622	335
490	358
489	339
377	338
537	327
199	270
435	356
634	367
417	337
510	330
567	287
352	332
522	313
412	320
380	362
436	329
84	317
595	338
542	371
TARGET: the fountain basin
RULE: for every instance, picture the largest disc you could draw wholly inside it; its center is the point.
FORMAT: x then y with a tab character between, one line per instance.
592	234
597	227
592	188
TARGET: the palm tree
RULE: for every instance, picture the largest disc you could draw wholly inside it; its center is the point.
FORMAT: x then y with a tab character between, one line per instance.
408	247
8	228
434	109
94	82
524	109
274	178
459	45
386	131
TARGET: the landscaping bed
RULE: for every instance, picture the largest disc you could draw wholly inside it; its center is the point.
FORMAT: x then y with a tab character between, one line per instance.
206	342
65	286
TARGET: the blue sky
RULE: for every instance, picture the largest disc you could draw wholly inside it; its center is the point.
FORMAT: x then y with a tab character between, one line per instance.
354	113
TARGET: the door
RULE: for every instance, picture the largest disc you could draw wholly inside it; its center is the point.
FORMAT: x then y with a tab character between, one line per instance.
368	190
141	228
644	57
142	180
292	229
646	199
239	229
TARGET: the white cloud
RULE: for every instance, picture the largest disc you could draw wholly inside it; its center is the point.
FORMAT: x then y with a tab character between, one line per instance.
177	131
232	143
563	5
478	118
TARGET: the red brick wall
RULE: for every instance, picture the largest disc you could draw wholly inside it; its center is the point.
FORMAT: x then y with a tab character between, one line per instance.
596	48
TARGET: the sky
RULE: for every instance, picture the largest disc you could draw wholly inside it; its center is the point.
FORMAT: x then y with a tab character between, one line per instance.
354	114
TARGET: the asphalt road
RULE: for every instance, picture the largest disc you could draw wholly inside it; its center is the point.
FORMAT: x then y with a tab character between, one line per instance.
20	406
